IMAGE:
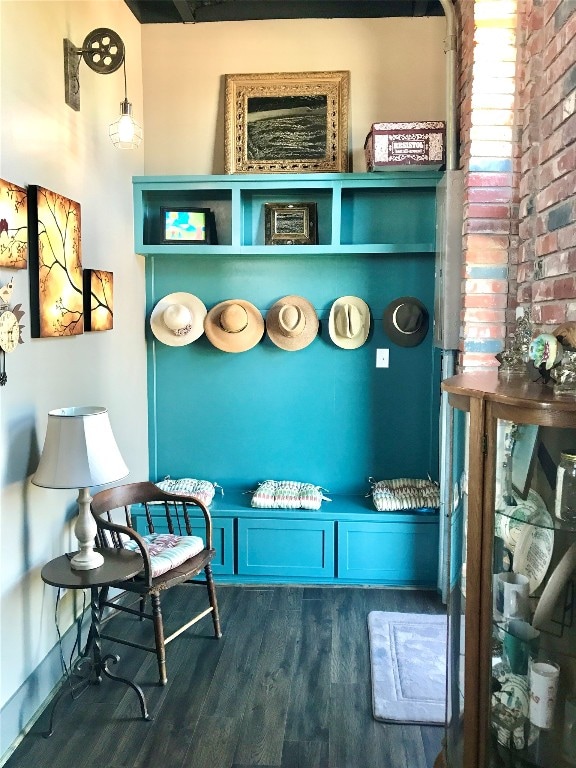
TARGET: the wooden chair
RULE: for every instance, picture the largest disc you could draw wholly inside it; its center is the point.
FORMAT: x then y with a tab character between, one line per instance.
169	559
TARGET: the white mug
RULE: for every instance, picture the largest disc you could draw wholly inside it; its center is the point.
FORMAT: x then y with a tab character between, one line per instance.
543	684
512	595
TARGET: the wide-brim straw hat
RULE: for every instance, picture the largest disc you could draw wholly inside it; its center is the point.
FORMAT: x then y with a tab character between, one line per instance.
178	319
349	322
234	325
292	323
406	321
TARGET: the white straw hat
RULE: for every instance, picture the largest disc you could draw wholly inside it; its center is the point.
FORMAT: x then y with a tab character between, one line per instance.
349	322
178	319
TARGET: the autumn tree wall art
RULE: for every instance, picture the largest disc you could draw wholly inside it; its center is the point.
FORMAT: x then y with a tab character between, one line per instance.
56	297
13	226
98	300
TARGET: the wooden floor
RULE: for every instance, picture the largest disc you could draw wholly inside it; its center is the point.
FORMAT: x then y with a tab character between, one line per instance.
287	686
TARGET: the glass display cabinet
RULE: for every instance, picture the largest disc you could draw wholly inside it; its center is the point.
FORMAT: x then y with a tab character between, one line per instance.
511	656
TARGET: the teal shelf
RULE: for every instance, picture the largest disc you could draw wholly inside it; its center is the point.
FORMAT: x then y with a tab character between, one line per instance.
361	213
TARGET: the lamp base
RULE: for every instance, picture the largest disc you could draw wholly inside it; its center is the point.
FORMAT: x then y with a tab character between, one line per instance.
85	529
86	560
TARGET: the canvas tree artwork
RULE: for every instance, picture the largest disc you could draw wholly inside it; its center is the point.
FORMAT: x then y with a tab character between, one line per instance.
98	300
13	226
56	283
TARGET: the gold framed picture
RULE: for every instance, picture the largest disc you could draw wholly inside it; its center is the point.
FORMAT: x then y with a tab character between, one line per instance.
290	224
287	122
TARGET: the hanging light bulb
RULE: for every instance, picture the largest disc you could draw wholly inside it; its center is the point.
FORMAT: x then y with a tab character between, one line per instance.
125	132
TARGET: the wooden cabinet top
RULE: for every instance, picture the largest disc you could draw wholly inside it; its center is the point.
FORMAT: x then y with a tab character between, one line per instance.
515	398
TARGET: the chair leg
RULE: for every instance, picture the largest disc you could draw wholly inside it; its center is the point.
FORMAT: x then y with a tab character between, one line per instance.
159	636
142	607
213	600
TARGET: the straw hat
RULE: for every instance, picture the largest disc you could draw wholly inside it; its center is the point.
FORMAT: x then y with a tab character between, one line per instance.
178	319
292	323
234	325
406	321
349	322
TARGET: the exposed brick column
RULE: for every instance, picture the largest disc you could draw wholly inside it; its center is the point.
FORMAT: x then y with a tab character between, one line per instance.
547	92
489	157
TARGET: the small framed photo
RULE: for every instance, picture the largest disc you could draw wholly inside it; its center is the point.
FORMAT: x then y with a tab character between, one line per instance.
187	226
290	224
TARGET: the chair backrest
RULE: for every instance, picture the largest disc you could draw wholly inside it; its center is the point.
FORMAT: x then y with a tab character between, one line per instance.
174	507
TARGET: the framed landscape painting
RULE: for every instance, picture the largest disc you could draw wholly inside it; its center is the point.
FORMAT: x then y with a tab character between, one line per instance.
287	122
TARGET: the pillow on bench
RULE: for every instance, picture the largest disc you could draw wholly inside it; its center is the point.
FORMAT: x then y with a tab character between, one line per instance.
405	493
288	494
186	486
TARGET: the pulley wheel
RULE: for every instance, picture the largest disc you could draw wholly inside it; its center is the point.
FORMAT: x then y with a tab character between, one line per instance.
103	51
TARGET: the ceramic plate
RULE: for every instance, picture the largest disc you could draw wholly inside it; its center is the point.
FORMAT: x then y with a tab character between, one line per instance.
513	695
511	521
533	550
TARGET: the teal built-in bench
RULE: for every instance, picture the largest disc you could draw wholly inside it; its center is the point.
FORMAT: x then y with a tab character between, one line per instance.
323	415
345	542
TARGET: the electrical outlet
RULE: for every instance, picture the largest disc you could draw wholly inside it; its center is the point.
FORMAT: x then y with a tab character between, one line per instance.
382	358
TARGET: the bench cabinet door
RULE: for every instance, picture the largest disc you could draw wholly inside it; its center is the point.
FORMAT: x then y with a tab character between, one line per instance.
302	549
389	553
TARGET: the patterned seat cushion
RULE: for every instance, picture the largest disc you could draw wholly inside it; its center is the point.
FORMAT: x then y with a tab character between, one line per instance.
168	551
189	486
288	494
404	493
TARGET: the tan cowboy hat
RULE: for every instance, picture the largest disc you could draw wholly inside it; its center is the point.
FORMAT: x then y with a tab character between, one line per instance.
292	323
349	322
234	325
406	321
178	319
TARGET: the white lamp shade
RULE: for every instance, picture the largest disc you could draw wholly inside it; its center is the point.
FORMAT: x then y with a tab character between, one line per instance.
79	450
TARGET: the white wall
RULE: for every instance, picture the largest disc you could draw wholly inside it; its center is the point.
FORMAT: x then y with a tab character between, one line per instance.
397	72
43	141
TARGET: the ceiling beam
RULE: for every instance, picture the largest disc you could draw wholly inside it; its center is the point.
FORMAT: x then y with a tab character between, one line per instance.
186	13
420	8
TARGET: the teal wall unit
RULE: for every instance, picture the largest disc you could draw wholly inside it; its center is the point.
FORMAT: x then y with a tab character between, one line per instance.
323	414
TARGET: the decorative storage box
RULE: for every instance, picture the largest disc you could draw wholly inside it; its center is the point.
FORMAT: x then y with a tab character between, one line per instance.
390	146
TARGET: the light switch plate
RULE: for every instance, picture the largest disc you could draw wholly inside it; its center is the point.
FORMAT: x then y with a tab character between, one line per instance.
382	358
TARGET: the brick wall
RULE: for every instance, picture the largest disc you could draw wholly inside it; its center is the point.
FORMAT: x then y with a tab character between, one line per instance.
488	136
518	152
546	100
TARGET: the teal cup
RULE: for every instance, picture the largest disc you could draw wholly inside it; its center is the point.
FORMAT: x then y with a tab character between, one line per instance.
520	642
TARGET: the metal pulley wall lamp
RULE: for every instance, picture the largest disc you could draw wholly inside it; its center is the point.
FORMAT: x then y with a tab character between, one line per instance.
104	52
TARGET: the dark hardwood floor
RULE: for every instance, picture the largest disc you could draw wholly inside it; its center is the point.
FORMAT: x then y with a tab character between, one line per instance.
287	686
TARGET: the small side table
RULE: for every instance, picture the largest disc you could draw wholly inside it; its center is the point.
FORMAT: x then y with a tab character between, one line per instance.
118	565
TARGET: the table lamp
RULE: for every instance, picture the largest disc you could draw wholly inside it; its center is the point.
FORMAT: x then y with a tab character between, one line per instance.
80	452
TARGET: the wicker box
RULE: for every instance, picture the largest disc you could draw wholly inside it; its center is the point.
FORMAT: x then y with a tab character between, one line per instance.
405	146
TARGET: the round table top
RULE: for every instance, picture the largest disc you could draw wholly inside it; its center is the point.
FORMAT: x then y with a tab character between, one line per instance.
118	565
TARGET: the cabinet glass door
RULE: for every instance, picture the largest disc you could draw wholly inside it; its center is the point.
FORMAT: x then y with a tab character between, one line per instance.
533	645
457	525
